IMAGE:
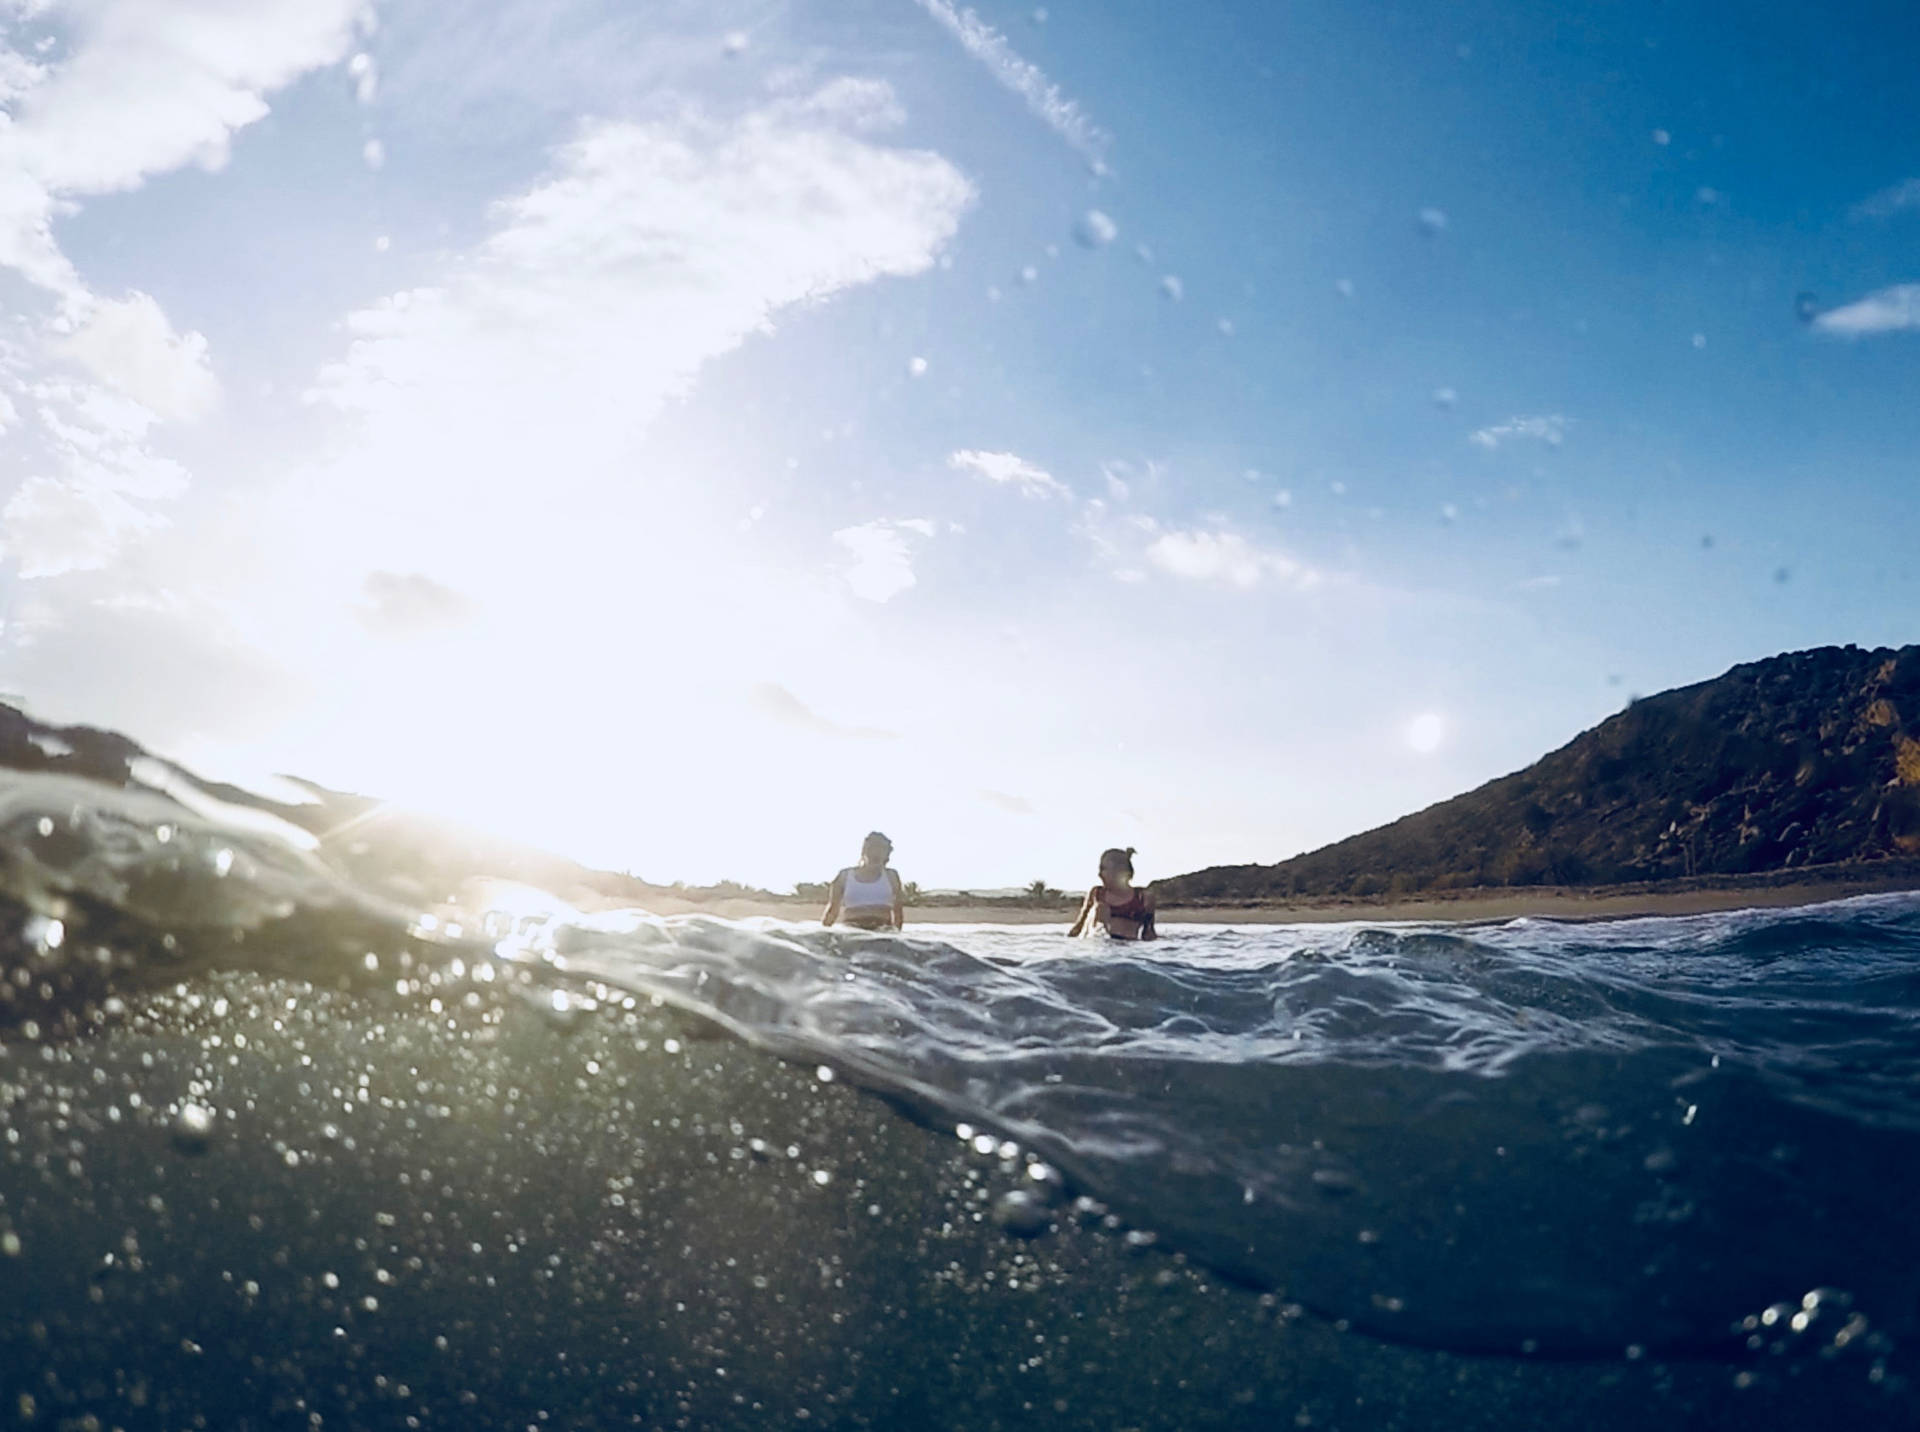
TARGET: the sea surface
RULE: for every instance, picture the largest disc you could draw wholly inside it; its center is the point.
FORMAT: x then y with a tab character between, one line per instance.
278	1151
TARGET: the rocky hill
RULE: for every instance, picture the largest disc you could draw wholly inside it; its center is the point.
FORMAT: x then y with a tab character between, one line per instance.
1811	758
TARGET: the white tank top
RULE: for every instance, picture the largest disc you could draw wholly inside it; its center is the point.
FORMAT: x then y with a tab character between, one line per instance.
858	894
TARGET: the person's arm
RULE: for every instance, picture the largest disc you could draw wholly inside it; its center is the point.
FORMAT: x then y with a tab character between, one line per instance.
835	892
1147	932
899	900
1086	909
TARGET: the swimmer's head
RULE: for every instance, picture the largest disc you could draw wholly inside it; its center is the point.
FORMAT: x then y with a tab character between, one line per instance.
1116	862
876	847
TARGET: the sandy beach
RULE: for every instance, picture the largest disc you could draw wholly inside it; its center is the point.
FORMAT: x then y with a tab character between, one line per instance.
1468	906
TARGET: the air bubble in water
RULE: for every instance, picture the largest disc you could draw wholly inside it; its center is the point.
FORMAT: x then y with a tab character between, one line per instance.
193	1128
1022	1213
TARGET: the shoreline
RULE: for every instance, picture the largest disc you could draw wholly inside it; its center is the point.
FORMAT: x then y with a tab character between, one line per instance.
1469	907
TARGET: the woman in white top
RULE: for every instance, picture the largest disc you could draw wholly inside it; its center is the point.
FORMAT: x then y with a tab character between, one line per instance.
868	896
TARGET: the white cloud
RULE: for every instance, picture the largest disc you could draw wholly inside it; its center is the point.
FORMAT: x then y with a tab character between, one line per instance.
137	89
650	249
1009	469
1549	428
52	528
882	558
1888	310
1000	800
144	89
1044	99
1225	559
97	482
129	345
1894	199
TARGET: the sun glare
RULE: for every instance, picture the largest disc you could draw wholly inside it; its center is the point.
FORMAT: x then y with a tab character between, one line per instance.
1426	731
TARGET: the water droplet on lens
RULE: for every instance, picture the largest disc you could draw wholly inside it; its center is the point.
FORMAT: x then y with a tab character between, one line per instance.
1095	229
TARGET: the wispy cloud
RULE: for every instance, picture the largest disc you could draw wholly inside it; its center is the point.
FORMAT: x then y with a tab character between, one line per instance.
882	556
775	701
1894	199
405	604
1225	559
1009	469
1012	805
1549	428
1888	310
130	346
987	45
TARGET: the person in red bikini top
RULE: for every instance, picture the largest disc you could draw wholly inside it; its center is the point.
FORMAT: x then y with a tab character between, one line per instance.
1116	905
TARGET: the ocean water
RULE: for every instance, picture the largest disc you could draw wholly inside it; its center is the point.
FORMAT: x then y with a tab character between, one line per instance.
276	1151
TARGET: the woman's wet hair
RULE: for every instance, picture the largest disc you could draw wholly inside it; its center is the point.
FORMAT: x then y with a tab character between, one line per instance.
1115	855
875	840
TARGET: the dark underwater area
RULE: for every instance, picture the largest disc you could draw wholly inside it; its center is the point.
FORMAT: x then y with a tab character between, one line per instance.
279	1148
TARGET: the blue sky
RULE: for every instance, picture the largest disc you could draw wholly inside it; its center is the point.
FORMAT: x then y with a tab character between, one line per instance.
690	435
